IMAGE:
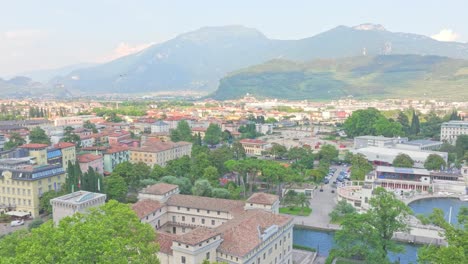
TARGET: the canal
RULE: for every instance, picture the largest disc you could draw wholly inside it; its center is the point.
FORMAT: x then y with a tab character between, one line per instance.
323	241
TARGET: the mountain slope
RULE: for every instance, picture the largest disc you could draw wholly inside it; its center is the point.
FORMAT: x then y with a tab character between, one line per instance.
198	60
364	76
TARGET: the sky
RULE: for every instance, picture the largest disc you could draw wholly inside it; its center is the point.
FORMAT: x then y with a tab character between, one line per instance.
46	34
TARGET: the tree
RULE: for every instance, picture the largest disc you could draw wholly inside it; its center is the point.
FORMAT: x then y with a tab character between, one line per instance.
198	164
402	118
213	134
211	174
182	132
295	153
359	167
368	236
92	181
202	188
403	161
456	236
70	136
88	125
290	199
303	201
113	117
111	233
35	223
461	146
328	153
238	150
37	135
44	201
278	150
387	128
157	172
220	155
414	128
271	120
362	122
179	167
434	162
14	141
220	193
341	210
116	188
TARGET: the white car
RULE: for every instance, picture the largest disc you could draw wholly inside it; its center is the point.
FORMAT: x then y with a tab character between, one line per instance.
17	223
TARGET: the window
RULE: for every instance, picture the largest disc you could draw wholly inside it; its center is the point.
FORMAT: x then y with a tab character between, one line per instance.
207	255
182	259
183	218
198	210
193	219
188	209
203	221
208	211
212	222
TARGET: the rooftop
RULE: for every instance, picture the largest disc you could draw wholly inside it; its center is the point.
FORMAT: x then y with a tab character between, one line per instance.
159	188
263	198
165	241
85	158
34	146
78	197
206	203
160	146
197	236
144	207
252	141
62	145
390	169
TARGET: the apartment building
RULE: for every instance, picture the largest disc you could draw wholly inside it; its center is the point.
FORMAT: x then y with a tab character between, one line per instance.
160	152
254	147
90	160
68	153
22	186
449	131
193	228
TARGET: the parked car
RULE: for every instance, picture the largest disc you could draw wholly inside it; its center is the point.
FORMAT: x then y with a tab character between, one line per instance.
17	222
321	190
326	181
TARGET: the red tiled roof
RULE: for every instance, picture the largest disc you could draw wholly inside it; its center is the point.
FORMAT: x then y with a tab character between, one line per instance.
252	141
263	198
62	145
154	147
241	236
206	203
159	188
197	236
165	242
114	149
34	146
145	207
85	158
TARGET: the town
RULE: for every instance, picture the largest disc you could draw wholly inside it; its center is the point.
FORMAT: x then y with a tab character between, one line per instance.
229	181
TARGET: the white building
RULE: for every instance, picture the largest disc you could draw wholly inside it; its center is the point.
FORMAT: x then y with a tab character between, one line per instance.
69	204
160	127
193	228
377	141
2	141
449	131
264	128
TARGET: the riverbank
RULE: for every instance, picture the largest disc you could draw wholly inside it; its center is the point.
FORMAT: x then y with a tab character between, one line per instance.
431	196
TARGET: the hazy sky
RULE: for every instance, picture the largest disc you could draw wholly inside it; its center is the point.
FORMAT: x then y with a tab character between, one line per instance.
42	34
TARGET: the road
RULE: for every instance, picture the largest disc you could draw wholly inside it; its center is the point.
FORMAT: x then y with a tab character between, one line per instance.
322	203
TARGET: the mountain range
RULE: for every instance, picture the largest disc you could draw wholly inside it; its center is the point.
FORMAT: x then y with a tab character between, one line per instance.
197	60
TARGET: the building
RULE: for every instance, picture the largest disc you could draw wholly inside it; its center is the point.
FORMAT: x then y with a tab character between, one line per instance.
38	152
23	185
2	142
90	160
118	136
69	204
68	151
160	127
192	229
159	153
385	156
264	128
420	144
377	141
115	155
449	131
254	147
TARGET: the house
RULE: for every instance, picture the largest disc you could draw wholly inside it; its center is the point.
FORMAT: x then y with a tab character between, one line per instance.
118	136
160	127
90	160
160	152
254	147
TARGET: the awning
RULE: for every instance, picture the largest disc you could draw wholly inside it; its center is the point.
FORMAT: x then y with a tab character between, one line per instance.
17	213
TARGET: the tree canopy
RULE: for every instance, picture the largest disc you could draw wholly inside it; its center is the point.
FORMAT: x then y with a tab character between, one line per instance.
39	136
403	161
434	162
111	233
182	132
213	134
371	121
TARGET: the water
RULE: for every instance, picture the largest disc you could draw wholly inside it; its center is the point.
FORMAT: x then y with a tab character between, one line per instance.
323	241
426	206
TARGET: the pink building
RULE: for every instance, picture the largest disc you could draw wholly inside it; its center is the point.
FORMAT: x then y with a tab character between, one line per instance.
90	160
118	136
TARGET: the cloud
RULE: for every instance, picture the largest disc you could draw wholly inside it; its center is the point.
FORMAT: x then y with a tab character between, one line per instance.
23	34
446	35
124	49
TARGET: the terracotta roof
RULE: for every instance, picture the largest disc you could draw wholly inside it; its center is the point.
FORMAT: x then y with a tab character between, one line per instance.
85	158
206	203
159	188
165	242
160	146
62	145
34	146
145	207
262	198
252	141
241	234
114	149
197	236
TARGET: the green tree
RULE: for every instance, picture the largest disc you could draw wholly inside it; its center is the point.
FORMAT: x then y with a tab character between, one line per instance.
434	162
70	136
213	134
415	126
182	132
220	155
179	167
368	236
38	135
220	193
74	175
431	128
116	188
271	120
44	200
202	188
387	128
362	122
211	174
185	185
341	210
157	172
359	167
111	233
238	151
303	201
296	153
456	236
278	150
403	161
88	125
14	141
328	153
461	146
198	164
402	118
35	223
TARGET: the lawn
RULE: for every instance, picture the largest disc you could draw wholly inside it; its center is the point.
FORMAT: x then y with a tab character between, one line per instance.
295	211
